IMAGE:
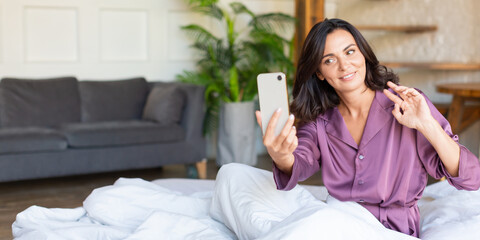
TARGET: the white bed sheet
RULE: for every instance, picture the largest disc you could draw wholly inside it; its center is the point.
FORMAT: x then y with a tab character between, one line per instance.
190	186
179	209
446	213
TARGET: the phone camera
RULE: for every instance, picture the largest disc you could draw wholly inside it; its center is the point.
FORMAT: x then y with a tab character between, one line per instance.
279	77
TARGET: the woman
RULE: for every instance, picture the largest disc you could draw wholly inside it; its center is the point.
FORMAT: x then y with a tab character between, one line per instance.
374	146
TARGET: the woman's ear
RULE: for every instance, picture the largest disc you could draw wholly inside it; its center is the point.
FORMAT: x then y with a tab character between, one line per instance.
319	75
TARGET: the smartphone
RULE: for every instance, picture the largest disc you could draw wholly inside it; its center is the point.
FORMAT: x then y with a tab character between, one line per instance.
272	95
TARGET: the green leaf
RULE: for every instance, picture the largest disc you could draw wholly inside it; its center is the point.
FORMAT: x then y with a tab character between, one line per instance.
233	81
210	10
199	34
272	22
202	2
239	8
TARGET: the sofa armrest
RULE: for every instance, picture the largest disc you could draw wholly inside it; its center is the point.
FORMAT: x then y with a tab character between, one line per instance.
194	111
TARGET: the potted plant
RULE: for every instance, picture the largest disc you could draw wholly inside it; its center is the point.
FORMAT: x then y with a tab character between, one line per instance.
228	67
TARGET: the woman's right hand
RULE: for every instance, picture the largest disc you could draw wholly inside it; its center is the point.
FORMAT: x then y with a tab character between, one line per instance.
280	147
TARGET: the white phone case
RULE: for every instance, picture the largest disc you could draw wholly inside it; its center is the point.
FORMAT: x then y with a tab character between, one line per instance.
272	95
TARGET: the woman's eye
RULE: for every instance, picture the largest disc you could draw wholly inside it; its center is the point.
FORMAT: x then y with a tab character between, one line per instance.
328	61
350	52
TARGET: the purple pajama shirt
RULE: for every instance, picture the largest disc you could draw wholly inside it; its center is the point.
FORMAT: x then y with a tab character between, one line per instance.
386	173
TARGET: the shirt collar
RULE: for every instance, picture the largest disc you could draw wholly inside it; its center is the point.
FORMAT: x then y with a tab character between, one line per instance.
380	98
383	100
379	115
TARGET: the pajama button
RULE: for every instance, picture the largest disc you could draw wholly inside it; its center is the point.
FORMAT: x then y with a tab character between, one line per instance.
360	182
361	157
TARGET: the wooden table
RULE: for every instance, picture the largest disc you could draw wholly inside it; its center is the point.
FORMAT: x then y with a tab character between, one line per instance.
464	110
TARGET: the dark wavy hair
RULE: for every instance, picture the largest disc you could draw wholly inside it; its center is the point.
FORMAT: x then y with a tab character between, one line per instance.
312	96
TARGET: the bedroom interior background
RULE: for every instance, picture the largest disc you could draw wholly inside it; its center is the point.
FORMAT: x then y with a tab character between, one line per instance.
86	44
49	38
86	41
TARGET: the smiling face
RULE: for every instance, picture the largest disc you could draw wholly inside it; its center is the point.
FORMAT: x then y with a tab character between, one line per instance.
342	64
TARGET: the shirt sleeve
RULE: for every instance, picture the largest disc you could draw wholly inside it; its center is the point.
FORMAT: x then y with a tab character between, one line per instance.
307	158
469	167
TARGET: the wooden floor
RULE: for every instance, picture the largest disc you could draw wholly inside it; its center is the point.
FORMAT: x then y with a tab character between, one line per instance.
69	192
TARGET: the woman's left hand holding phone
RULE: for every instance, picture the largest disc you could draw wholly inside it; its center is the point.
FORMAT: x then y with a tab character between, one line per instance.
280	147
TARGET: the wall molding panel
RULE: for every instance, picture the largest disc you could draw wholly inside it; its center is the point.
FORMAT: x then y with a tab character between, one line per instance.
50	34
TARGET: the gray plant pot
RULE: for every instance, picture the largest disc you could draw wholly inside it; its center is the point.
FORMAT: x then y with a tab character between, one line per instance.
236	134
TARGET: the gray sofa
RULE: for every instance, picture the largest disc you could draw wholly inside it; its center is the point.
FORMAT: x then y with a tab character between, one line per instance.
62	126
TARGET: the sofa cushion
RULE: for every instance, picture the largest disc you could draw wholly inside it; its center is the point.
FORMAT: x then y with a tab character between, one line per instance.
30	139
113	100
164	105
117	133
42	102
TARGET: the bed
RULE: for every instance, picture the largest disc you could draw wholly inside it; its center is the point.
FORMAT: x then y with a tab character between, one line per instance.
182	209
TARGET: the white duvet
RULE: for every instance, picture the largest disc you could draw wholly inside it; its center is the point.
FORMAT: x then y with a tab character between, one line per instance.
137	209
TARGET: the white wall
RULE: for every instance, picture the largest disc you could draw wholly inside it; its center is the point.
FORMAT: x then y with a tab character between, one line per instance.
101	39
